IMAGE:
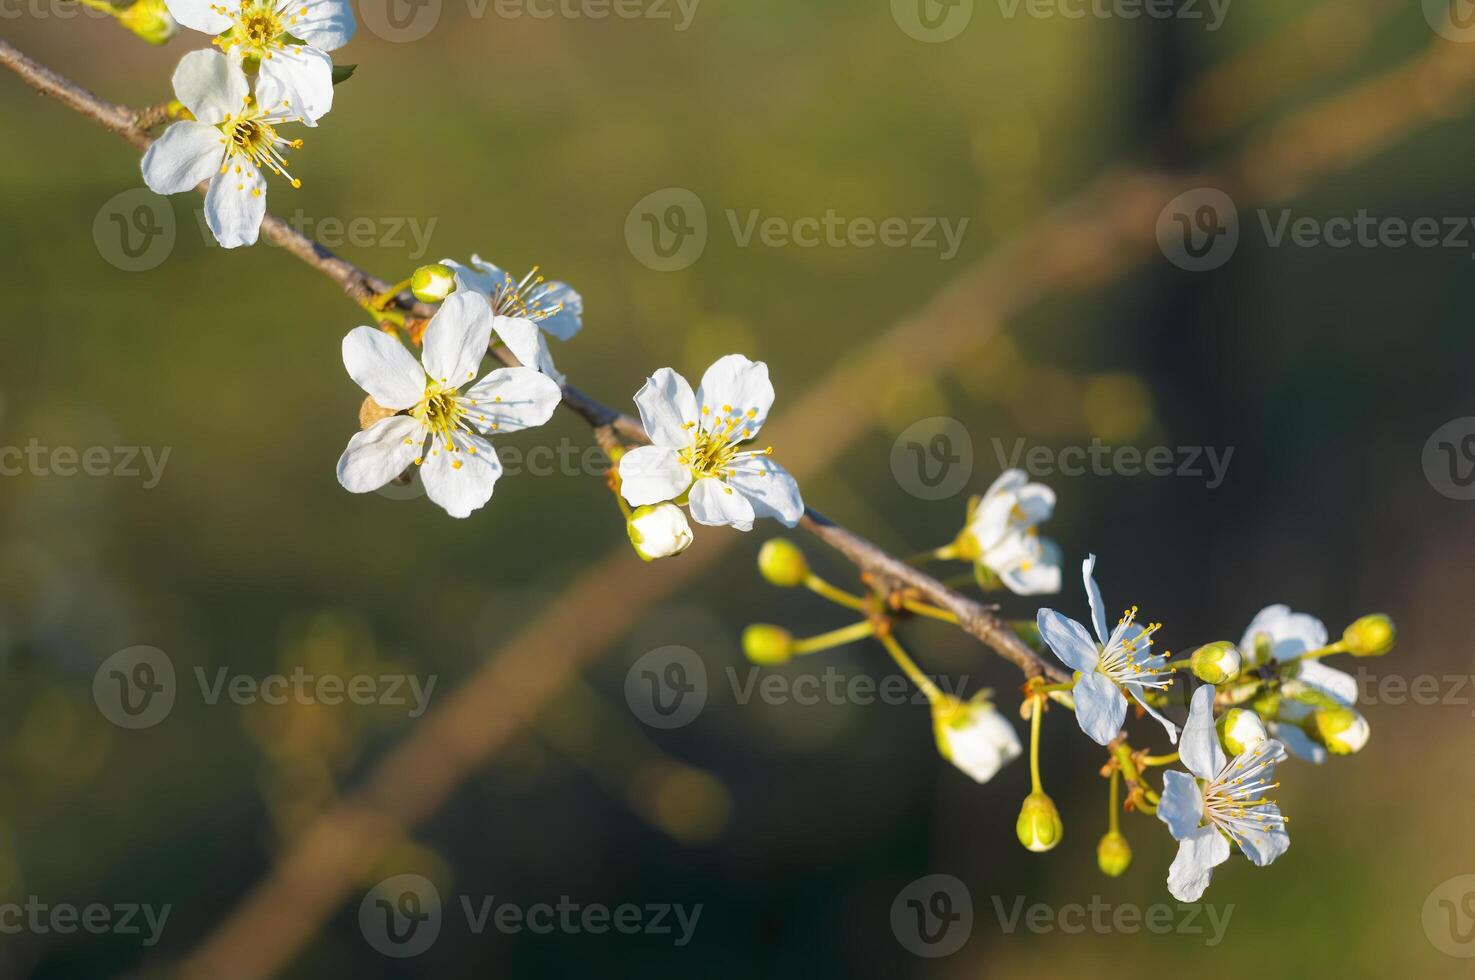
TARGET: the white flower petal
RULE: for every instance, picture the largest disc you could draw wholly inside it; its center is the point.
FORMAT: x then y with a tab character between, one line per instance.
1068	640
235	205
380	453
456	339
769	488
210	85
327	24
1191	870
1291	633
1136	691
479	277
527	344
1026	563
978	740
511	399
1093	594
1100	707
1262	848
380	365
991	524
651	474
714	503
741	384
1182	804
462	480
201	15
1199	748
659	531
1036	501
189	152
668	409
1298	743
1335	684
569	320
1006	482
297	80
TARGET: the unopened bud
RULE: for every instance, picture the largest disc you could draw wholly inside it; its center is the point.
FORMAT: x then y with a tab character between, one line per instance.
1216	663
1113	855
658	531
1370	636
767	645
1039	827
432	283
149	19
1342	730
780	562
1241	730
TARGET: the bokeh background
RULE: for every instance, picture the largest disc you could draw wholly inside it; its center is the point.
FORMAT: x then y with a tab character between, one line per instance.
794	826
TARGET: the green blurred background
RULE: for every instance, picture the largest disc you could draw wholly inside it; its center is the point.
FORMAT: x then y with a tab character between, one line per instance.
530	141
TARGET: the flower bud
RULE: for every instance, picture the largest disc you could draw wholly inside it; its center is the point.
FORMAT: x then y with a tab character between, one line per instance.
780	562
767	645
973	736
1216	663
149	19
1113	855
432	283
1241	729
1342	730
1370	636
658	531
1039	827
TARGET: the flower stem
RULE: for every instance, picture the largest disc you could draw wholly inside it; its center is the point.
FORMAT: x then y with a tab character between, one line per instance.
1160	760
946	552
909	667
835	638
1339	647
932	612
1035	715
839	596
1113	810
382	300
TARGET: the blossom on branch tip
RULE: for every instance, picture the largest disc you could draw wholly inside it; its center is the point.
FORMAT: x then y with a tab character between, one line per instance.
444	429
1002	535
288	39
232	138
1277	634
1113	663
1219	802
973	736
697	453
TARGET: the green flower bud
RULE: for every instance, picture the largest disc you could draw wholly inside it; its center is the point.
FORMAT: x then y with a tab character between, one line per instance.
1370	636
658	531
780	562
767	645
1342	730
149	19
1113	855
1241	730
1039	827
432	283
1216	663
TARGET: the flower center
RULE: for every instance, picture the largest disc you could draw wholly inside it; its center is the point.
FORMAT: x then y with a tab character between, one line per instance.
526	300
1235	800
443	413
715	446
1127	659
258	26
253	135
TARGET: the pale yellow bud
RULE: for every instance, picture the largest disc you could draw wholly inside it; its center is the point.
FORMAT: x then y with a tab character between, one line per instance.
1370	636
658	531
767	645
1039	827
1113	855
1216	663
432	283
780	562
150	20
1342	730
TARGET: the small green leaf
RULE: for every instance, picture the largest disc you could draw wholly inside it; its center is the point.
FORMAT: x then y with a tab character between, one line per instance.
342	73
